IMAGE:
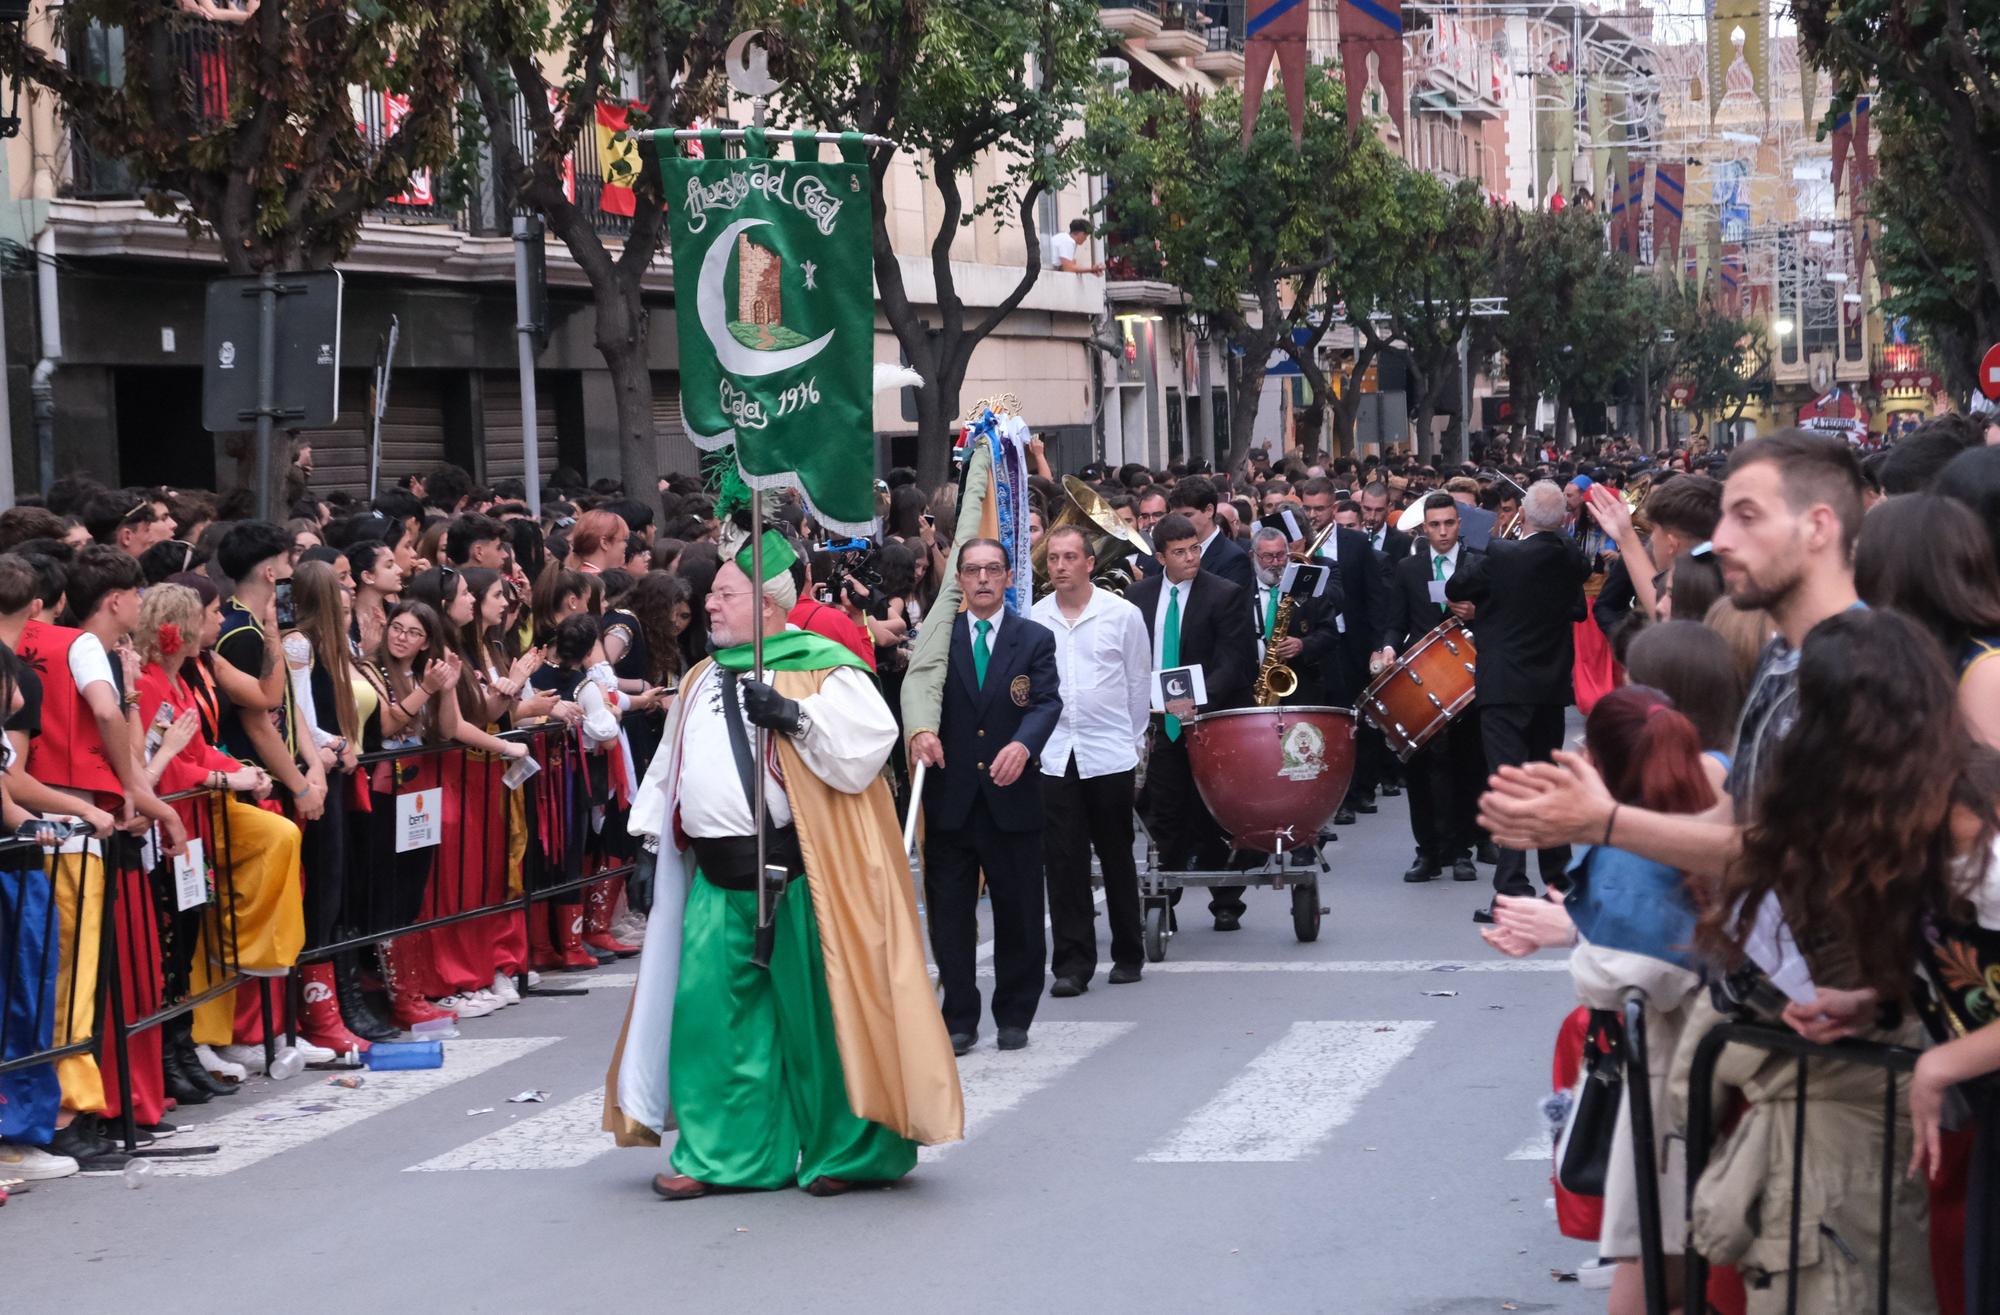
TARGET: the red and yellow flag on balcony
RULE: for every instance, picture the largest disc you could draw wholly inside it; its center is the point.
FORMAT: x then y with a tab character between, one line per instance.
617	159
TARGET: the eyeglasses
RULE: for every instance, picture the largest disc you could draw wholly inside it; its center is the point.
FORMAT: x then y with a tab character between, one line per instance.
984	568
407	632
729	593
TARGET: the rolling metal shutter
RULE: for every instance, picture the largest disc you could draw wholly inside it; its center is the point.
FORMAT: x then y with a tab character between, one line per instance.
412	433
502	422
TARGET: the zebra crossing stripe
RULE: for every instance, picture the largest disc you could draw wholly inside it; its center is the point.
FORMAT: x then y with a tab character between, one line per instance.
312	1109
1292	1096
995	1083
565	1136
1443	967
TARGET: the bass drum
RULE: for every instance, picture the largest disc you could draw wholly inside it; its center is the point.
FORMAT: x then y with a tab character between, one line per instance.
1272	776
1416	697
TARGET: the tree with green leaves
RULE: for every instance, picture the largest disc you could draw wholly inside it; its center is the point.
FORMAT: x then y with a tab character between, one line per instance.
1435	266
1927	259
1721	358
955	84
243	125
550	69
1577	321
1274	225
1934	72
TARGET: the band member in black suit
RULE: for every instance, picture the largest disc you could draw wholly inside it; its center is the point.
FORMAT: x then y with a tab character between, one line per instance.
983	801
1361	622
1310	645
1383	536
1447	774
1529	593
1195	498
1193	617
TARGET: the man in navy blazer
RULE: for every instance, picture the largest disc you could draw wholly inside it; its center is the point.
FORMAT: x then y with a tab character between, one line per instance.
983	801
1195	498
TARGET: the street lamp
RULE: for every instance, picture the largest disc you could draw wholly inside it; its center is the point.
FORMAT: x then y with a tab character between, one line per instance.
1197	322
1782	326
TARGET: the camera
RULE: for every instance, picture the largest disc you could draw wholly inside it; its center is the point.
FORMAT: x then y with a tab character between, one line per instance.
855	560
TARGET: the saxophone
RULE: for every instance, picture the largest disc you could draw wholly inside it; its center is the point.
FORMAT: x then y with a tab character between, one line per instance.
1275	680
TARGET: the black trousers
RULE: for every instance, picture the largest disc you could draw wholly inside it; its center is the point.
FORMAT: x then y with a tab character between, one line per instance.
1445	779
1187	834
1080	815
1516	733
1012	861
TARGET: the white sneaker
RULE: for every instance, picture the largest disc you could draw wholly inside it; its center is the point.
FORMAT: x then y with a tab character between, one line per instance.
467	1006
504	991
220	1067
629	928
485	995
32	1163
245	1059
534	978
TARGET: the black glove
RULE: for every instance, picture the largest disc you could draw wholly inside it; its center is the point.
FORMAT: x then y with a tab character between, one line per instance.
639	885
766	707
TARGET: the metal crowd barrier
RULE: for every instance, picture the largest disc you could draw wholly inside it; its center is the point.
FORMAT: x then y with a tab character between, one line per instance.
213	929
468	871
468	868
1892	1060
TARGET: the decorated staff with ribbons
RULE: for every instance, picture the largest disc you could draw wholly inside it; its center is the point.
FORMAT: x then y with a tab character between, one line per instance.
783	1019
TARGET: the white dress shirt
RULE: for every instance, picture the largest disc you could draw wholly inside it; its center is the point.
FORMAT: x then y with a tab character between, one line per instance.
1106	685
1450	562
1168	590
992	636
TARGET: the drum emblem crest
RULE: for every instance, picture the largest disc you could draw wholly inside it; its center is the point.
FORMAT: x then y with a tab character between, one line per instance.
1302	754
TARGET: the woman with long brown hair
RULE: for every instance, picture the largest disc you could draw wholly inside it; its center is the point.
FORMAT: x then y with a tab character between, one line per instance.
1928	557
1867	815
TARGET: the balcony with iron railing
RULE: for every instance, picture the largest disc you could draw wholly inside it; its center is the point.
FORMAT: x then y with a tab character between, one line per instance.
204	54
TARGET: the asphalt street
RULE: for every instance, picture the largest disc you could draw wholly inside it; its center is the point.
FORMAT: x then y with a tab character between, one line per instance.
1260	1125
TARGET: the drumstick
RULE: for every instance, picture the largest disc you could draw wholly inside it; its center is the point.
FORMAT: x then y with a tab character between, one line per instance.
916	798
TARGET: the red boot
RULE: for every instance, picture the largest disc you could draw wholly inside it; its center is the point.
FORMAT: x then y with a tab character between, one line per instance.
569	937
320	1021
598	931
407	1006
543	956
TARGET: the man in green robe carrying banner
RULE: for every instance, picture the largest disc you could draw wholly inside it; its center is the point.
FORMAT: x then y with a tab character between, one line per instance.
829	1067
827	1063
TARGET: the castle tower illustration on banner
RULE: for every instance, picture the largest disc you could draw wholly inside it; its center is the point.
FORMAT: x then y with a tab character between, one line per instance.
759	278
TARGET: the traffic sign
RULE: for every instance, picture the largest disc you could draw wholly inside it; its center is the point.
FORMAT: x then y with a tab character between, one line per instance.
305	393
1989	373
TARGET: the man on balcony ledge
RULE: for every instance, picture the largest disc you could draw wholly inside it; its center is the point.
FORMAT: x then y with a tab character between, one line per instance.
1065	247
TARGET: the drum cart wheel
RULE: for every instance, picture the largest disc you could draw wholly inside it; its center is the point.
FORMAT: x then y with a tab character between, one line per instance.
1306	909
1156	932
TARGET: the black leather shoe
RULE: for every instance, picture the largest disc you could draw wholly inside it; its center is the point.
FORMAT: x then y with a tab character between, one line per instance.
1484	916
1065	987
1228	922
1363	803
1421	870
1462	870
1390	790
1013	1038
1487	854
1121	974
961	1042
1345	817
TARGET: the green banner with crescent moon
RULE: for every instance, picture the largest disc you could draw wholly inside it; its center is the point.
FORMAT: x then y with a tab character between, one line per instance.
775	300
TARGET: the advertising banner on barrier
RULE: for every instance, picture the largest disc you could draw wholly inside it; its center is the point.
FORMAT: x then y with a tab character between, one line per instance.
419	820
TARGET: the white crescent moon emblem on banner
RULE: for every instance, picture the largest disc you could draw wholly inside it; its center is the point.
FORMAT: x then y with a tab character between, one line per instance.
709	307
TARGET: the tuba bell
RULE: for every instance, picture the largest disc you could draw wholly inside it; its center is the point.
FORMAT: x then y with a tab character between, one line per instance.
1112	541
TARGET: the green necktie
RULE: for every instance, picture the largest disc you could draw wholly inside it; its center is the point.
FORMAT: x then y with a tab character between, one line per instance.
1170	650
1437	567
981	653
1271	614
